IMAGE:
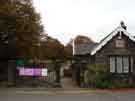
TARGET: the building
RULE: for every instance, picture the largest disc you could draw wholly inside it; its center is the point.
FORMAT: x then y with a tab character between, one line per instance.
116	51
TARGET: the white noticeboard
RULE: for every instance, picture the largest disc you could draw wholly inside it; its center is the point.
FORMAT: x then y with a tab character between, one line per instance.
44	72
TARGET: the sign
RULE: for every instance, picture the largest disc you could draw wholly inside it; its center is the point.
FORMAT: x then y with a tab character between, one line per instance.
38	72
44	72
26	72
32	72
20	62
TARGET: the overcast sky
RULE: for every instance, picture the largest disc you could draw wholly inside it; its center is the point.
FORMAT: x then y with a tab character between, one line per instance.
65	19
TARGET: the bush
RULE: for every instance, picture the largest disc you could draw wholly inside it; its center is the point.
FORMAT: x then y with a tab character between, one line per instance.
99	77
120	85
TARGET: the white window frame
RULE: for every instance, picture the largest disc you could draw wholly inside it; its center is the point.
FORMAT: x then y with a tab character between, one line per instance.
121	64
125	64
112	64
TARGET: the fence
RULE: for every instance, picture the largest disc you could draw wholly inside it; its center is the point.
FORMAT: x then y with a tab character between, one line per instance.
28	78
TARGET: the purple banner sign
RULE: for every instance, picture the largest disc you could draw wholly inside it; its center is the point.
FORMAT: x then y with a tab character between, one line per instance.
32	72
38	72
26	72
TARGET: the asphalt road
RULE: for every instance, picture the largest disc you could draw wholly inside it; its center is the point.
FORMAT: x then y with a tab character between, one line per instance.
65	95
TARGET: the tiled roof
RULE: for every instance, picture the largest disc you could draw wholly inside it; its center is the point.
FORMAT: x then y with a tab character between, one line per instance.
83	49
92	48
110	36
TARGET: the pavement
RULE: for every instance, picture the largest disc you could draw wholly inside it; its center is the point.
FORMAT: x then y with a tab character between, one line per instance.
61	94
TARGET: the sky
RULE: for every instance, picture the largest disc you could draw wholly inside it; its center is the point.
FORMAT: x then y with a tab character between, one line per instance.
65	19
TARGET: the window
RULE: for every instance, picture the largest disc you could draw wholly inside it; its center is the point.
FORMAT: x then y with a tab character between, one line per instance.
125	64
121	64
112	64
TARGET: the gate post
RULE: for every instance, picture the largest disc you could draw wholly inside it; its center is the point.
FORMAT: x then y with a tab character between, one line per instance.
57	68
11	73
58	77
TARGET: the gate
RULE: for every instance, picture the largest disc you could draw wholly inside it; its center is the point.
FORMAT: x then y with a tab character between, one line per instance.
43	74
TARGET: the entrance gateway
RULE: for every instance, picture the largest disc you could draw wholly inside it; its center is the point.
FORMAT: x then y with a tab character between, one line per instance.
116	51
66	76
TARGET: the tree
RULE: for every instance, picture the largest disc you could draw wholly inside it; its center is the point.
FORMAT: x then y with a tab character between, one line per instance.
68	51
52	49
20	27
80	39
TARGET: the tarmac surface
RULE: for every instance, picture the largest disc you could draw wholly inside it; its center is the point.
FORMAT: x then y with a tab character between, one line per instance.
61	94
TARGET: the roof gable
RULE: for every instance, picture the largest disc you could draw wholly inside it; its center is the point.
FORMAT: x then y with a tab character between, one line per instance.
109	37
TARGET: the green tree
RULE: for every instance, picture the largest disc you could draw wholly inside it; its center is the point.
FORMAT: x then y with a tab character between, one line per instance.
20	27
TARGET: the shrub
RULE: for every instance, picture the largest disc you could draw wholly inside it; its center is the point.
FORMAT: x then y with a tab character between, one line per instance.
98	76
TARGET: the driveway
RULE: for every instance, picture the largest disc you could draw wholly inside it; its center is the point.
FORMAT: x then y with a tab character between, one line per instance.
68	83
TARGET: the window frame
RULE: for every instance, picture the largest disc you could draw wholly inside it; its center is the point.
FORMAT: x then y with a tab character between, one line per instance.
123	69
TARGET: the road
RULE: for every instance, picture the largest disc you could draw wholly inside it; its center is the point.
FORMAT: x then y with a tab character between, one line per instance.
65	95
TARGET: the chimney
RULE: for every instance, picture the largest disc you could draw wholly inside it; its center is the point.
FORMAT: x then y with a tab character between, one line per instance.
123	25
